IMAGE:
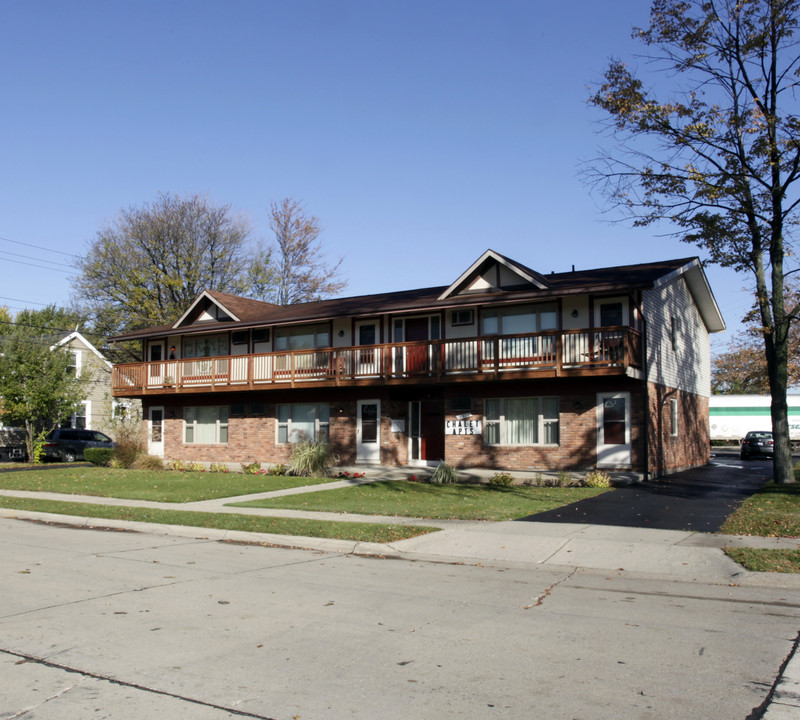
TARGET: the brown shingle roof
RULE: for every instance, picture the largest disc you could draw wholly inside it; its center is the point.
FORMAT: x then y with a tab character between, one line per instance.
255	312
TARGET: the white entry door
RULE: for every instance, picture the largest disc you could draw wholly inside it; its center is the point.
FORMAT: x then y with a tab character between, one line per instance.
614	430
367	356
155	431
368	431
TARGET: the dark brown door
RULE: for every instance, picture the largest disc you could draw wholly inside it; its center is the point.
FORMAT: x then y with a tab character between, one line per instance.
417	355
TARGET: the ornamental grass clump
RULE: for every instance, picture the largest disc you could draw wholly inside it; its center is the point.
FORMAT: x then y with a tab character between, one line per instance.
311	459
597	479
444	474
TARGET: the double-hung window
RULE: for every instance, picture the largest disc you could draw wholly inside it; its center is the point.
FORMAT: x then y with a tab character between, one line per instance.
205	425
521	421
303	422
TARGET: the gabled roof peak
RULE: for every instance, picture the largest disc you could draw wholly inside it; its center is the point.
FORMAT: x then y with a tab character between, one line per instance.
493	271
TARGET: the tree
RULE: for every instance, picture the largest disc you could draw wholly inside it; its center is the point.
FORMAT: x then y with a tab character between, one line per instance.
743	368
720	157
147	266
38	385
293	270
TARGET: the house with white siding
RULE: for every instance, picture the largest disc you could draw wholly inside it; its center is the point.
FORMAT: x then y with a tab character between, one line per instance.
504	368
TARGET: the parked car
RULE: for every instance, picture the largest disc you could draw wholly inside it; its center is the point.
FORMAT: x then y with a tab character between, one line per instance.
757	443
68	445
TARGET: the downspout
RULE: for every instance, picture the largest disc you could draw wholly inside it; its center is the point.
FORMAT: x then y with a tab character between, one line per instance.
646	446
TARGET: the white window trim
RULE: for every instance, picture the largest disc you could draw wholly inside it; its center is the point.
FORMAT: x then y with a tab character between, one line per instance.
541	423
318	425
673	417
218	426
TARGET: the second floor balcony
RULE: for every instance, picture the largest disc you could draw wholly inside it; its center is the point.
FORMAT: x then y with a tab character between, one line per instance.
610	351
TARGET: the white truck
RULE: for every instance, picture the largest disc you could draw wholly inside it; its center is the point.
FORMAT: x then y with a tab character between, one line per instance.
732	416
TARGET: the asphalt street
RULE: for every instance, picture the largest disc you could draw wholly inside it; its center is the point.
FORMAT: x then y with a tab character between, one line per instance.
131	625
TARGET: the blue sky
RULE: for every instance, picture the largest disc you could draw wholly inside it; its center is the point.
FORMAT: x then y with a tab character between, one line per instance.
419	133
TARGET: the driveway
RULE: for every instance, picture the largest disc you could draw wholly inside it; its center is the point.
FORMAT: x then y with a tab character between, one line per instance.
698	500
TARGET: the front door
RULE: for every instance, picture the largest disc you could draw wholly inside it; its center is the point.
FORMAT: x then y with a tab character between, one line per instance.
426	432
368	431
614	430
417	355
155	431
367	357
156	367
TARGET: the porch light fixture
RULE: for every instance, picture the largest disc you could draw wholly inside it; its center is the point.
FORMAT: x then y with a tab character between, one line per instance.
341	333
574	312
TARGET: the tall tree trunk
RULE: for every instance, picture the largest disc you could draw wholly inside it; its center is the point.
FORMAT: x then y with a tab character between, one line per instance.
777	367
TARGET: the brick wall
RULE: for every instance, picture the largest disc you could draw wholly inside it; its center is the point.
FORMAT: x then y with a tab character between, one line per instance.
691	447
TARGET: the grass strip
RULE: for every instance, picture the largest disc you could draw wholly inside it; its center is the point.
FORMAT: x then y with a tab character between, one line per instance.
774	511
156	485
422	500
763	560
359	532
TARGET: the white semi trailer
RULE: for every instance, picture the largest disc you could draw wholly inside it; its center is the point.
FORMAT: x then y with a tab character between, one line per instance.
733	416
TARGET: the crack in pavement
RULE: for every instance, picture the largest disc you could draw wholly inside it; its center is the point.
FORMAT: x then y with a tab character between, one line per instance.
24	657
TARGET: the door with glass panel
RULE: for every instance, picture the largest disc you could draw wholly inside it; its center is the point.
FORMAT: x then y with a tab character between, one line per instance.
367	355
368	431
155	431
614	430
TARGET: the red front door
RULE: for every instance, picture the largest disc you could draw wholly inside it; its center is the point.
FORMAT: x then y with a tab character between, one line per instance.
417	355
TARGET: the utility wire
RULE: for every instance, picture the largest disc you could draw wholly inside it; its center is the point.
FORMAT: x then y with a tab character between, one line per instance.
38	247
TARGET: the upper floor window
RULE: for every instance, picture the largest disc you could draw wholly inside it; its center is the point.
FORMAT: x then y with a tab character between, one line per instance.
73	363
197	346
302	337
518	319
610	314
462	317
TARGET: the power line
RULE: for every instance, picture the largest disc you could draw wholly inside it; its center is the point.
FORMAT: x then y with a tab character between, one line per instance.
27	302
39	247
41	267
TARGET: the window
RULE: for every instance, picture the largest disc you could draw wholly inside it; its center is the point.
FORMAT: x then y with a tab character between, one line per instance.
611	314
461	404
201	346
673	333
461	317
673	417
305	337
73	363
303	422
78	418
240	337
519	319
261	335
521	421
205	425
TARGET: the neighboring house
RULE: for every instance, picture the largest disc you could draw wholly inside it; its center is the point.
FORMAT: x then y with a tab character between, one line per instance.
95	412
504	368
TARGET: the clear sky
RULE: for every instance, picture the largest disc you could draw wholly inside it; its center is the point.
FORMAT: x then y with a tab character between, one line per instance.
419	132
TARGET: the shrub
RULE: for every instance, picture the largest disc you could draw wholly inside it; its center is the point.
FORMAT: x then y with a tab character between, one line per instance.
597	479
502	479
253	468
148	462
219	468
444	474
98	456
182	466
277	470
131	444
311	459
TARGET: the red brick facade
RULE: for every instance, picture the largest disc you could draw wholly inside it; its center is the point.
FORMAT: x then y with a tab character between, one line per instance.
253	437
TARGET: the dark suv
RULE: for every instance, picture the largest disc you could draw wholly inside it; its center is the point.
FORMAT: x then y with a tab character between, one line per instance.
68	445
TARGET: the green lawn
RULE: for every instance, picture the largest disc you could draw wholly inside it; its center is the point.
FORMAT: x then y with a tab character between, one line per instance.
467	502
160	486
358	532
774	511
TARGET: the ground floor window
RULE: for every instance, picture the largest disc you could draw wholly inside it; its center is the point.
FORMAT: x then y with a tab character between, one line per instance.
205	425
303	422
521	421
673	417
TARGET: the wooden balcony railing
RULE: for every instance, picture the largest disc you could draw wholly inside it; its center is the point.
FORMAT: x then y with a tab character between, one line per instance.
569	352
